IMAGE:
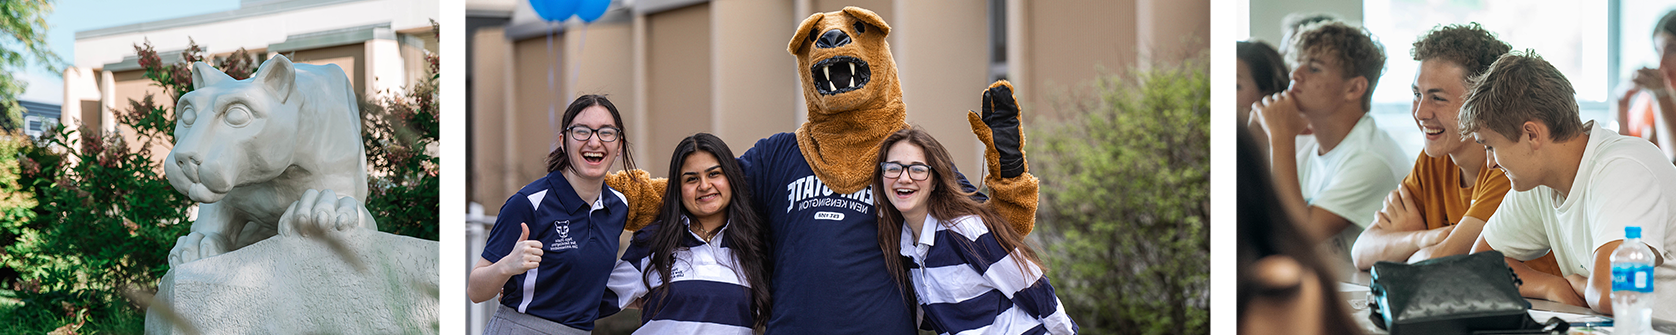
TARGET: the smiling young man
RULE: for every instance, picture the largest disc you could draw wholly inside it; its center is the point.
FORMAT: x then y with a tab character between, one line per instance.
1352	164
1578	185
1442	204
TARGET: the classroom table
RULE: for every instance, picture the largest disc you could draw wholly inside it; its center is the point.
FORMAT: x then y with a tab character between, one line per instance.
1353	288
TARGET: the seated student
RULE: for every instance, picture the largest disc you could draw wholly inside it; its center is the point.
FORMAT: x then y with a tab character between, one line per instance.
701	268
954	259
1352	164
1646	109
1442	204
1578	185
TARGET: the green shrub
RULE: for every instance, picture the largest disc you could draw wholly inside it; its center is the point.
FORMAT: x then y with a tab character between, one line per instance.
79	226
400	133
105	216
1125	202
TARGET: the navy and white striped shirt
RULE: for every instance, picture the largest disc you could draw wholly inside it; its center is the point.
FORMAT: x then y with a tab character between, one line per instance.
978	289
706	294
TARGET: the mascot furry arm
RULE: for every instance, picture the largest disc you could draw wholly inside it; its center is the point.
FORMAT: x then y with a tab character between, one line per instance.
1012	188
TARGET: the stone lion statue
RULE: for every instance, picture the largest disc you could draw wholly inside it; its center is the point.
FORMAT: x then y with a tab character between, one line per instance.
278	153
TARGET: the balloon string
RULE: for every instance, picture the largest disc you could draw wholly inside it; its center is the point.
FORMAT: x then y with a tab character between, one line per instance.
576	67
551	122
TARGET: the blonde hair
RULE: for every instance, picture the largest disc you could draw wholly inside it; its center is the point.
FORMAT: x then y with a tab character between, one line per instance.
1521	86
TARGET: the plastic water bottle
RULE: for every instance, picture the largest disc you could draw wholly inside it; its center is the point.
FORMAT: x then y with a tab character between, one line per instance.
1632	285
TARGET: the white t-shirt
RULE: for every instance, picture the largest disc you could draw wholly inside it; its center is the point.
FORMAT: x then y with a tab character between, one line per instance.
1622	181
1353	179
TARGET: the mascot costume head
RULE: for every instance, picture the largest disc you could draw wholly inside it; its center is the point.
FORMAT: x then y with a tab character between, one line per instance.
854	100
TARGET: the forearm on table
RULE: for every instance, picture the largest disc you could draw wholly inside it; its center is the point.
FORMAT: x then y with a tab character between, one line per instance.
1380	244
1538	284
1459	241
1598	294
485	281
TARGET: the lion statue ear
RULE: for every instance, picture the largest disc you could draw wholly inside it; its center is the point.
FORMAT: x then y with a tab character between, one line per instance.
278	76
206	75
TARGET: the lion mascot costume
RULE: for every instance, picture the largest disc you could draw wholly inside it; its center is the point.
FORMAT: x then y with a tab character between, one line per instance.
828	273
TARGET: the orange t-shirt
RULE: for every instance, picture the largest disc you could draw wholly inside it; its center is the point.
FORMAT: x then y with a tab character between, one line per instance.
1435	184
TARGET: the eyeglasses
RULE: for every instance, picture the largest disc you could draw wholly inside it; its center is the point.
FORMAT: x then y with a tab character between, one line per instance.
581	133
916	171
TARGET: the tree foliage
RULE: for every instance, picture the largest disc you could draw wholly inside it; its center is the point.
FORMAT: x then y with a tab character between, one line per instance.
85	215
25	25
1126	202
400	133
105	217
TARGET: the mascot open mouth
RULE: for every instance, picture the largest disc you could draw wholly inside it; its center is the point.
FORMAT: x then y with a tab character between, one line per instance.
840	74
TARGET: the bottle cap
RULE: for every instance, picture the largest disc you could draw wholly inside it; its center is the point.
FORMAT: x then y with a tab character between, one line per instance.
1632	232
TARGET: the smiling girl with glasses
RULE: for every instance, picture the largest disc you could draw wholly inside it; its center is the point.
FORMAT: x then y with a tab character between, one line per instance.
957	261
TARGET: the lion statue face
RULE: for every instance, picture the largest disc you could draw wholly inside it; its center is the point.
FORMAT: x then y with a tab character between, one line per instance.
231	133
844	60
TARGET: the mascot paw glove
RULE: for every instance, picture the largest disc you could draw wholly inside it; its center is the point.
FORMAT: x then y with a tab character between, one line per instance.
1000	117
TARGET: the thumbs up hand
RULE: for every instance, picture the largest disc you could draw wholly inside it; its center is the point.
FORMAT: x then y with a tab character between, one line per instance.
525	255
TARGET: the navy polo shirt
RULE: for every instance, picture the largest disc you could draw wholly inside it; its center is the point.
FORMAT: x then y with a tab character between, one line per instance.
829	274
580	249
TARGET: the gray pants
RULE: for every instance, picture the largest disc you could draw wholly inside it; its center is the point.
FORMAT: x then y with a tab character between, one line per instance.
508	321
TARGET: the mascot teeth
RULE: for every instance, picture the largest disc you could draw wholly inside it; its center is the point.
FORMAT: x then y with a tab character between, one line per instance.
827	74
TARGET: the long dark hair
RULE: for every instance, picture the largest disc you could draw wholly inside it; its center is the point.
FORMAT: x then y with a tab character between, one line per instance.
1267	68
557	160
946	201
1667	24
1265	229
745	233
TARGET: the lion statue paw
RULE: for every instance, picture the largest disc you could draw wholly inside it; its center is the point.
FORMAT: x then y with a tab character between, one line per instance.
323	212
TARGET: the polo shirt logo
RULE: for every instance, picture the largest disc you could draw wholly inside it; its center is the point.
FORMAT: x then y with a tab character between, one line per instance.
563	241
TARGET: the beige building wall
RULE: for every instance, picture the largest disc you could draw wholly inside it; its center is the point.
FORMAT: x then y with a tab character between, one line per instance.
944	69
721	67
1060	50
531	132
491	166
352	58
134	85
1171	29
678	82
602	62
755	82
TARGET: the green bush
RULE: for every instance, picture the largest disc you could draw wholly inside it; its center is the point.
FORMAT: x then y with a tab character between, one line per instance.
79	227
1125	202
104	217
400	132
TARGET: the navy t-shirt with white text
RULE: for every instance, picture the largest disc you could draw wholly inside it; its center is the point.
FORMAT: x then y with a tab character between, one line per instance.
829	274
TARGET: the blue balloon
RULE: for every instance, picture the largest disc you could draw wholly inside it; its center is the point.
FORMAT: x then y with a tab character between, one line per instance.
555	10
591	10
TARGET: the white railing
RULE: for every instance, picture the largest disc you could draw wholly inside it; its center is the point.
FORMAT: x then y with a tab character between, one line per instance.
477	231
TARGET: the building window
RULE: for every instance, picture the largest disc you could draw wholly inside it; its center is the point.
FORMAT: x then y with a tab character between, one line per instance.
1569	34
